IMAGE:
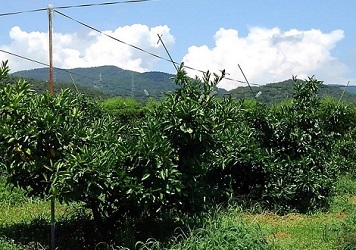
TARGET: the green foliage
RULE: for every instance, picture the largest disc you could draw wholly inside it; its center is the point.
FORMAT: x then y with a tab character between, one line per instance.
183	155
37	131
223	232
40	133
4	71
88	176
126	109
7	244
339	121
300	171
240	154
189	118
346	150
275	93
8	195
346	232
346	185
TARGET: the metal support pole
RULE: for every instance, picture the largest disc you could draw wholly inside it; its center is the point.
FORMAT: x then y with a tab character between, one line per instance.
247	82
53	225
165	48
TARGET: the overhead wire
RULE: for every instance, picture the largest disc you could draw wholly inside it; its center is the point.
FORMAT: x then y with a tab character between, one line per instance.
69	72
116	39
22	12
41	63
101	4
139	48
23	57
74	6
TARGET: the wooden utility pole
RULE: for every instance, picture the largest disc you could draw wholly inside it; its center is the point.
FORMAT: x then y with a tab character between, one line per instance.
50	31
51	91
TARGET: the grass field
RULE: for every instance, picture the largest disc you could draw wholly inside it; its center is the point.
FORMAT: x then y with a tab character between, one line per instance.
24	224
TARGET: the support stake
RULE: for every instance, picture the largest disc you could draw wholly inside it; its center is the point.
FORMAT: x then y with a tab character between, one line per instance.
247	82
53	224
165	48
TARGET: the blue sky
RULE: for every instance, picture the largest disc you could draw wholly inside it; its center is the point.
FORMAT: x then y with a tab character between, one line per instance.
270	39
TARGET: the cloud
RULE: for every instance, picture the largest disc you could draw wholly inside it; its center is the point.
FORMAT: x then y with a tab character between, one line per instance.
89	49
269	55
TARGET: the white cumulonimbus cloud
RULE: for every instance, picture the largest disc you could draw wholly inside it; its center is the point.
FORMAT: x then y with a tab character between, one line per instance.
89	49
269	55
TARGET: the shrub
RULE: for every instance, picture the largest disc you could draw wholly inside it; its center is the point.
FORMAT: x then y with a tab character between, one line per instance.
346	151
126	109
37	131
149	174
301	169
190	118
41	133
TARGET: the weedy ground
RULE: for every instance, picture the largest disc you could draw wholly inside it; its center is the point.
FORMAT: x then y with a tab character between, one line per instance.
24	224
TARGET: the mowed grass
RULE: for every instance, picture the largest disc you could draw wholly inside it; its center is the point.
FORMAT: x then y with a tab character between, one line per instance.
334	228
232	228
23	220
321	230
295	231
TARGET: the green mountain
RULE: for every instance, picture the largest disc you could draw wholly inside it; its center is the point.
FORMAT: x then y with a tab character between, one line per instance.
108	79
113	81
42	86
280	91
350	89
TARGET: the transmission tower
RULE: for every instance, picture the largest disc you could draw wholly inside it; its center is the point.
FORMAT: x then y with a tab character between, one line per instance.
133	89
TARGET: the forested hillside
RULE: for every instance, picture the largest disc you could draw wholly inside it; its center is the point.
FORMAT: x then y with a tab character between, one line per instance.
114	81
110	79
41	86
280	91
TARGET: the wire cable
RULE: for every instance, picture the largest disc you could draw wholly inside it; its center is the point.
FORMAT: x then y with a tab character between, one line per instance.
118	40
22	12
41	63
23	57
71	73
114	38
140	49
102	4
74	6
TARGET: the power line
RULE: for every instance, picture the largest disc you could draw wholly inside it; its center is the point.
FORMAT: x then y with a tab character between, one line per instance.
114	38
118	40
101	4
65	70
22	12
41	63
74	6
23	57
138	48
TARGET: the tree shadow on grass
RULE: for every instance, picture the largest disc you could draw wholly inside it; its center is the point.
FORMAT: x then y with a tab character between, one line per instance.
71	233
79	231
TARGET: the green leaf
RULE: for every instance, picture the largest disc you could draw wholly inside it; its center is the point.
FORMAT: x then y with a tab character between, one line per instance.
11	140
28	151
145	177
